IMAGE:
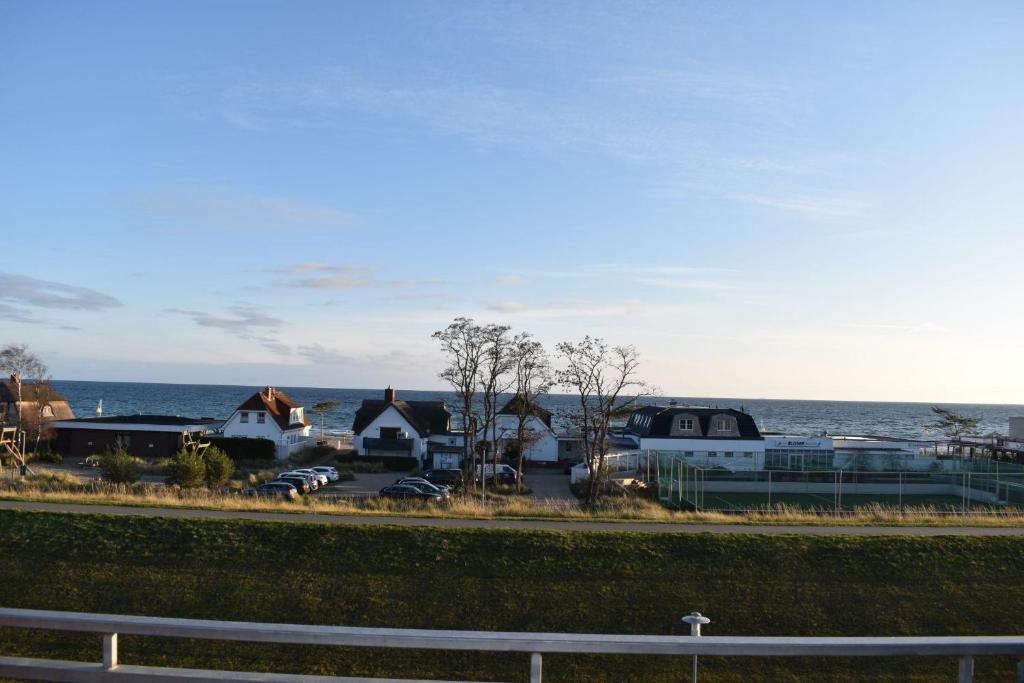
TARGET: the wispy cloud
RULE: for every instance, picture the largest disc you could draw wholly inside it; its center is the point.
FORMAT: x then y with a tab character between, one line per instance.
682	284
569	308
29	291
347	276
242	321
826	207
214	208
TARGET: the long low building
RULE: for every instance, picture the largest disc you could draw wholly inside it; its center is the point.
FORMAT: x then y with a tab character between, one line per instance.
158	436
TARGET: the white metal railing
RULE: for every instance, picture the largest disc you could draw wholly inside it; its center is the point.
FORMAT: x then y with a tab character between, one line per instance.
966	648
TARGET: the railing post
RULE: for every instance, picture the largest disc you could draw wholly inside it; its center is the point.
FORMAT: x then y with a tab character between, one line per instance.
967	669
535	667
695	620
109	651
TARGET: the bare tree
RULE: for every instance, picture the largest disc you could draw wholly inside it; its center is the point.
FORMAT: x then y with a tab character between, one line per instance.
605	379
22	366
495	379
533	377
463	344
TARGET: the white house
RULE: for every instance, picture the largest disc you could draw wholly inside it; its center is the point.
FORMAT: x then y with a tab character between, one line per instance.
710	436
270	414
392	427
541	440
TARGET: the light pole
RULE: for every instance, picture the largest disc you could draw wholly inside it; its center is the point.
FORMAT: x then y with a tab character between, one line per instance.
695	620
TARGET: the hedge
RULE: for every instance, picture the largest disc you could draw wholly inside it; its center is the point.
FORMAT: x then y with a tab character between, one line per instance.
392	463
239	449
519	580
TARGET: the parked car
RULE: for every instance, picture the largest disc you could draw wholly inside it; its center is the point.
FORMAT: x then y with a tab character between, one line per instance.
424	485
321	478
300	483
506	473
274	489
409	492
329	472
453	479
91	461
311	479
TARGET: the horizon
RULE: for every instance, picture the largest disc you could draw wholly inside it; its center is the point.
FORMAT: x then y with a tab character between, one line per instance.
449	390
784	200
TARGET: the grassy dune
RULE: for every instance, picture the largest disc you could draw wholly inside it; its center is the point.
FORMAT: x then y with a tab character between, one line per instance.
524	580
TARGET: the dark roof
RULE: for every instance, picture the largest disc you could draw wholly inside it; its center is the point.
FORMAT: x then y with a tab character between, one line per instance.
278	404
426	417
656	421
162	420
30	391
514	407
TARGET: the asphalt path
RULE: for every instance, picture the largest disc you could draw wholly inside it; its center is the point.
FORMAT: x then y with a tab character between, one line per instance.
458	523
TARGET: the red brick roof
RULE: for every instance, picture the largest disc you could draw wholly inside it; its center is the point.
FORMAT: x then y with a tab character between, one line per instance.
279	405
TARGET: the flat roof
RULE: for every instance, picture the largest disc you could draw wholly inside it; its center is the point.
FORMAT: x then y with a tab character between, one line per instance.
138	423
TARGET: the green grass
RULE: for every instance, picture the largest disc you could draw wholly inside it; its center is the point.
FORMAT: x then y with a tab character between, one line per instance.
506	580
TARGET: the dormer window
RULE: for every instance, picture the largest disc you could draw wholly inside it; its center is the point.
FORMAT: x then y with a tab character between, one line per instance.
686	424
243	417
261	418
723	424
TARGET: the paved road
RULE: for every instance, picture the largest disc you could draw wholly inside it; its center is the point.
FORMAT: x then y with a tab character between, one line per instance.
451	523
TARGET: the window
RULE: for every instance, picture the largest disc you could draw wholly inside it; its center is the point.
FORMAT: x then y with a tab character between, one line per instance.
47	411
728	454
712	454
243	418
686	424
261	418
748	455
723	424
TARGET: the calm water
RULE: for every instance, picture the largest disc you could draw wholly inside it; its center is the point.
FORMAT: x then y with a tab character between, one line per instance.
907	420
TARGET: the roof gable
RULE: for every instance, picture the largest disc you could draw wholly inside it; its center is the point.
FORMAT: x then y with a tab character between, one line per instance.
426	417
656	421
278	404
515	407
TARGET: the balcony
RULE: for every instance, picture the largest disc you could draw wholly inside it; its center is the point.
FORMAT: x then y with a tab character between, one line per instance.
396	447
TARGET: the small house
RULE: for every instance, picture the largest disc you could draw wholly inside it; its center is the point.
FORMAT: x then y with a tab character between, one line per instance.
31	403
395	428
540	441
270	414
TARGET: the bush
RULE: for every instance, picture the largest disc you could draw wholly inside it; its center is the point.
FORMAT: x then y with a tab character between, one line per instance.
119	466
239	449
187	470
312	454
390	463
219	467
46	456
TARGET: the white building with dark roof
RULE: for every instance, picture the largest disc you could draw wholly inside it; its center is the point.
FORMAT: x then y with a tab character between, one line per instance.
540	439
270	414
710	436
393	427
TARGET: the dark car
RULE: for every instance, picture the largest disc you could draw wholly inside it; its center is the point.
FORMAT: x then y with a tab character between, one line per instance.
274	489
407	492
425	486
453	479
300	483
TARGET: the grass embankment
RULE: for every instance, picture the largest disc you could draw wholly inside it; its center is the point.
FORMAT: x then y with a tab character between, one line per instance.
502	580
52	489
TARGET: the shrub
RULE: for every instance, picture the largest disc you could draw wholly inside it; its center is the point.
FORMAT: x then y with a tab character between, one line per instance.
46	456
238	448
219	467
312	454
119	466
187	470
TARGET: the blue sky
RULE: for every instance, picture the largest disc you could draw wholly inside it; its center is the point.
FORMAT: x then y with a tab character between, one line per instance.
783	200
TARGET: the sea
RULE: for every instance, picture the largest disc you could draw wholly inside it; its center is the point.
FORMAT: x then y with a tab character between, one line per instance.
796	417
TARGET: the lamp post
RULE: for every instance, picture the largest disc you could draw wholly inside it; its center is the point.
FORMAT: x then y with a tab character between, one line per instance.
695	620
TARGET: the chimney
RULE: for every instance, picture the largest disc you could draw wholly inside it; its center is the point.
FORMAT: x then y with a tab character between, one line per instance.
15	379
389	394
269	391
